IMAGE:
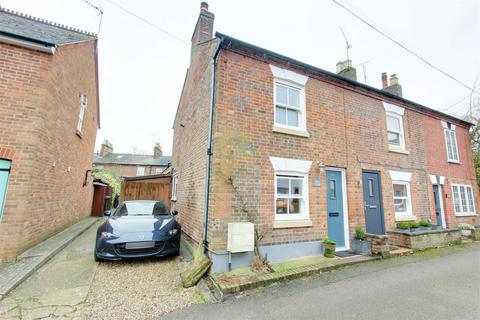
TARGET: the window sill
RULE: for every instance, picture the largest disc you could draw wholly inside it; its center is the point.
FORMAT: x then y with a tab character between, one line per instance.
398	150
173	199
79	134
280	224
454	162
465	214
293	132
405	218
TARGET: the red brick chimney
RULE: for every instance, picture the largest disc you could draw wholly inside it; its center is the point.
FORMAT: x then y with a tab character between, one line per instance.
106	148
394	87
204	27
157	151
384	80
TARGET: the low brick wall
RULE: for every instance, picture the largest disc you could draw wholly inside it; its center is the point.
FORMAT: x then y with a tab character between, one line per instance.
424	239
380	244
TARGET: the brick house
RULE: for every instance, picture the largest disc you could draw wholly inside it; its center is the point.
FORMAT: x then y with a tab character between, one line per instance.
49	116
132	165
306	154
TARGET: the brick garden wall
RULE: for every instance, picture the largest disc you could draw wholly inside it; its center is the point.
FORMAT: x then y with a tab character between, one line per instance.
424	240
40	104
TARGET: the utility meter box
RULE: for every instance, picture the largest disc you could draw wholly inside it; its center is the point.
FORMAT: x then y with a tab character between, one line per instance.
241	237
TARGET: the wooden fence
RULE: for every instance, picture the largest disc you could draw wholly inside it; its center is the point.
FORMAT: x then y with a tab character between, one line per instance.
147	188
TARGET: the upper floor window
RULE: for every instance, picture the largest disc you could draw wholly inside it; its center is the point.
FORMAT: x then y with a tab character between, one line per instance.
140	171
289	100
395	133
463	200
4	174
83	107
158	170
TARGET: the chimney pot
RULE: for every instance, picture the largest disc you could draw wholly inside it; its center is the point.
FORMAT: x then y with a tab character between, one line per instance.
106	148
384	80
393	79
346	70
204	6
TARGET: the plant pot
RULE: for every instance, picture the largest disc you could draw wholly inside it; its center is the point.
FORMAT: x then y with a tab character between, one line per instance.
413	229
361	246
466	232
329	250
424	228
402	230
435	227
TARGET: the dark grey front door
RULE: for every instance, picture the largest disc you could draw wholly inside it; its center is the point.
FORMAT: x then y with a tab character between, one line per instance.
438	207
372	198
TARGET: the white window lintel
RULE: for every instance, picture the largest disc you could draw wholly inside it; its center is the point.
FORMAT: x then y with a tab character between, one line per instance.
400	176
288	75
290	165
391	108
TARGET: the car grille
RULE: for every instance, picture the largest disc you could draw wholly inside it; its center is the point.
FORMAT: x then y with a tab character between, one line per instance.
121	250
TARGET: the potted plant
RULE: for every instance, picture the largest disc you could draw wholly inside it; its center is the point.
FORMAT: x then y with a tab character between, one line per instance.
403	226
360	244
424	225
414	226
329	248
465	229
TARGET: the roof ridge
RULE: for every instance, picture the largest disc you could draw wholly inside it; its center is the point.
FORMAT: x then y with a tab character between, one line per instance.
48	22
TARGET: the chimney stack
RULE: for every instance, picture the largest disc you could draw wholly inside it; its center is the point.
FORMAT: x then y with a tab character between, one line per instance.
204	27
106	148
157	149
394	87
346	70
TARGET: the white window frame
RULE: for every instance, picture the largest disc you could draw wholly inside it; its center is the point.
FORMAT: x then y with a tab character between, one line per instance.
81	115
463	213
158	170
297	81
140	171
404	178
305	213
396	112
174	186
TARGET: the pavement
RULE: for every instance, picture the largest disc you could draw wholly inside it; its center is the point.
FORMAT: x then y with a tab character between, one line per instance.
12	274
434	284
59	287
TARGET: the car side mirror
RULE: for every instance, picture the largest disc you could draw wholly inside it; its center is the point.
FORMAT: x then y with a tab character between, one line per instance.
107	213
174	212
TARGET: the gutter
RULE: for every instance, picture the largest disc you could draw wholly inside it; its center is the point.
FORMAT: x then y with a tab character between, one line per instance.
28	43
209	149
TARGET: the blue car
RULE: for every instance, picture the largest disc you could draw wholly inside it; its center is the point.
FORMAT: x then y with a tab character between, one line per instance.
138	229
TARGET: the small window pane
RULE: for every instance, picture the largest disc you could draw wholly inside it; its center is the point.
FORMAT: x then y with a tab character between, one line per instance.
470	199
332	189
293	97
400	205
393	124
280	115
282	206
296	187
370	187
292	117
456	199
295	206
281	94
282	186
399	190
464	199
393	138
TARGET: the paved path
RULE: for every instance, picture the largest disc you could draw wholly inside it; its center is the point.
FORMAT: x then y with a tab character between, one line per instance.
57	288
437	284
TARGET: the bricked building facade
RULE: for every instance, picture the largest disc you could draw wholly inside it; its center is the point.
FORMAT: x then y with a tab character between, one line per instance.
49	116
306	154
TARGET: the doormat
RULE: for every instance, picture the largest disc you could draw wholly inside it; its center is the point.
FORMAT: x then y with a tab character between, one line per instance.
344	254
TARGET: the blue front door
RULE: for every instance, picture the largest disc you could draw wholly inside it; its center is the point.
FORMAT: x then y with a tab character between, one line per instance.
438	207
335	212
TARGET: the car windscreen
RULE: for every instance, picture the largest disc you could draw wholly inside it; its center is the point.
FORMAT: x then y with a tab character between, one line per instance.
141	209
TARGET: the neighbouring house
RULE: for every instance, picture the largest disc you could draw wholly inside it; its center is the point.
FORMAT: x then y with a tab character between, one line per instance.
49	116
132	165
306	154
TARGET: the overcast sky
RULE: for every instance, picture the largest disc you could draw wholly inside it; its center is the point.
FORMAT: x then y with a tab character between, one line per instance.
142	69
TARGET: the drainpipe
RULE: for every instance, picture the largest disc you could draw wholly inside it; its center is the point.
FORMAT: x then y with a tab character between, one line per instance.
209	149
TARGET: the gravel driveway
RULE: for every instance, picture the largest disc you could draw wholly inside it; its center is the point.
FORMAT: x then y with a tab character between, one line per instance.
138	290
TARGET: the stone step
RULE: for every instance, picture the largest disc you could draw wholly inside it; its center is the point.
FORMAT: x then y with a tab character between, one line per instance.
398	251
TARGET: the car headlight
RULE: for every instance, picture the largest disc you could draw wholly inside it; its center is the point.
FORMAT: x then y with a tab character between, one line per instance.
108	235
172	232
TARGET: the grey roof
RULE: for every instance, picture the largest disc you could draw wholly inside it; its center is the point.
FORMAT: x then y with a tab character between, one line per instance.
26	27
132	159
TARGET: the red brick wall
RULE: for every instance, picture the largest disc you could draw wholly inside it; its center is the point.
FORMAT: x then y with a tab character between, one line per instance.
438	165
40	104
347	129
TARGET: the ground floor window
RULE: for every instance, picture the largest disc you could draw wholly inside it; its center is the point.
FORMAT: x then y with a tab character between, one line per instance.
140	171
402	199
290	199
4	175
463	200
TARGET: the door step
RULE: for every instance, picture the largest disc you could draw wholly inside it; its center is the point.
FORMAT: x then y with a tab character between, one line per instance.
399	251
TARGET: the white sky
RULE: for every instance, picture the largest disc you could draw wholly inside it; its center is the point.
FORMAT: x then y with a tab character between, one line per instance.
142	69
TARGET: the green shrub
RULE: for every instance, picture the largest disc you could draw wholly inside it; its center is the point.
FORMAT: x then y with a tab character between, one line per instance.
424	223
404	225
414	225
465	226
360	233
328	241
